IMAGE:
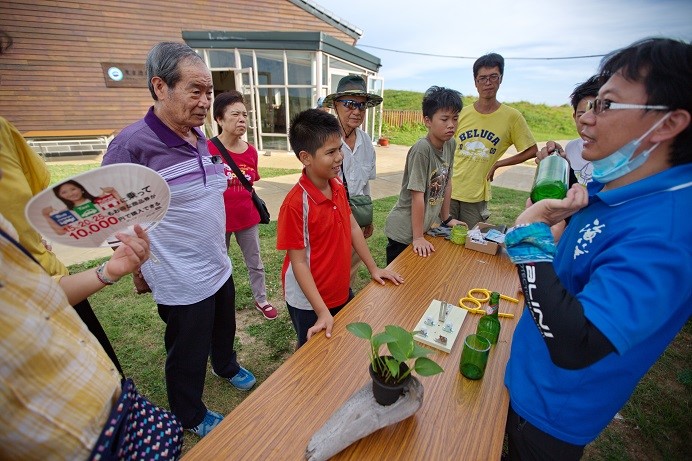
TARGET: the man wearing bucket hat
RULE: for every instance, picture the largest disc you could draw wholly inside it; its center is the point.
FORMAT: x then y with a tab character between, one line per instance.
349	103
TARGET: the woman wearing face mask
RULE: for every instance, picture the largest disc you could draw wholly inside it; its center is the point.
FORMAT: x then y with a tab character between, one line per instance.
604	303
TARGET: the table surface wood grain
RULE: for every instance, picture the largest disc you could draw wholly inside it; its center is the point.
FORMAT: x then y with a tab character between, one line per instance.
460	419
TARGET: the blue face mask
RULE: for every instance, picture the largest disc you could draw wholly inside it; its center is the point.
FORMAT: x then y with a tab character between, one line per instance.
621	162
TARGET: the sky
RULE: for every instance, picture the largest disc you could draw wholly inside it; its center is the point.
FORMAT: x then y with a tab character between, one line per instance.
513	28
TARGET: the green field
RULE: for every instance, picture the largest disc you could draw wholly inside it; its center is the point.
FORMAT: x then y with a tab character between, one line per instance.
546	122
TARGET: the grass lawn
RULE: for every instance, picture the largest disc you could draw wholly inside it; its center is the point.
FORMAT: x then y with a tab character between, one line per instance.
656	422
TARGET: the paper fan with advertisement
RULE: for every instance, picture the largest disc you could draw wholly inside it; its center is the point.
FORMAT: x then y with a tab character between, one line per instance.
87	210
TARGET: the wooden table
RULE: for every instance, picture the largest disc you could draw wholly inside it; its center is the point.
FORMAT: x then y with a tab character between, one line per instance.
460	419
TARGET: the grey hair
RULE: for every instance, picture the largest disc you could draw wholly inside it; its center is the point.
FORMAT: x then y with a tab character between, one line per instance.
163	60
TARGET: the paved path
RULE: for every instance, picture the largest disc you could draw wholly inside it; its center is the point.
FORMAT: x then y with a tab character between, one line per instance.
390	166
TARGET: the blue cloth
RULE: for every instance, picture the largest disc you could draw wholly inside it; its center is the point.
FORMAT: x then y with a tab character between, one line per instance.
530	244
627	257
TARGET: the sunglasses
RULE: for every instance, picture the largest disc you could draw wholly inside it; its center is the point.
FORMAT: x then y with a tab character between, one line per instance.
352	105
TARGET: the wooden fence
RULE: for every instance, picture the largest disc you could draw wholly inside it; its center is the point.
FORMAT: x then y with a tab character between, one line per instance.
393	117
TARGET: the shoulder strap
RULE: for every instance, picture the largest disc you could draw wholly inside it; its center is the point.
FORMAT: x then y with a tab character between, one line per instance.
343	173
84	311
227	156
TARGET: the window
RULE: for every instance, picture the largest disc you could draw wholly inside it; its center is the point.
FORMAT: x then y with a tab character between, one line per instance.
300	67
271	65
221	59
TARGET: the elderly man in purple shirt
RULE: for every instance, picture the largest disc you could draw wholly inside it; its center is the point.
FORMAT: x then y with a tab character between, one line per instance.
190	275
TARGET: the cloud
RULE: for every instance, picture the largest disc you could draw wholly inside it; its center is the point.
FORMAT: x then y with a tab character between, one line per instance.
513	28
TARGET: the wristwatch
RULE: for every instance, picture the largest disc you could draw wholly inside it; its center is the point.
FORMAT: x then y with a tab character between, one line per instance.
446	221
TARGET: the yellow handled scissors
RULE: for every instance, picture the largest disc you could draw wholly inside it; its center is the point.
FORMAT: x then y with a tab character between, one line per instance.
475	300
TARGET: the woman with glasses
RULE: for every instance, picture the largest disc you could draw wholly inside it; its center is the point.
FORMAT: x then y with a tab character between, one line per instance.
350	102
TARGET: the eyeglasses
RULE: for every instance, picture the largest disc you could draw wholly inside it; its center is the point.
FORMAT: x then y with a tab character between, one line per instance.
352	105
483	79
601	105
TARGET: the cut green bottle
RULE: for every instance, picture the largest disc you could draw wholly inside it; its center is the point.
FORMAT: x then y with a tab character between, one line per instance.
552	178
489	324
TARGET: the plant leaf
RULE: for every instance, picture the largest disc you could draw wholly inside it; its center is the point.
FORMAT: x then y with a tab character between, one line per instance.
380	339
402	347
360	329
393	366
426	367
419	351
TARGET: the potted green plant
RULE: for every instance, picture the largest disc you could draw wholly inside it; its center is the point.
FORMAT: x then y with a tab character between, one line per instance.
391	373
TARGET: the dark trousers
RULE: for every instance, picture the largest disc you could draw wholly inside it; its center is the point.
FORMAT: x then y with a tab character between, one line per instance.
303	319
527	442
394	249
192	332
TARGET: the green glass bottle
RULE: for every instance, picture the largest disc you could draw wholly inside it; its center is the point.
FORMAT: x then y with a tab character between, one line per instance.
552	178
489	324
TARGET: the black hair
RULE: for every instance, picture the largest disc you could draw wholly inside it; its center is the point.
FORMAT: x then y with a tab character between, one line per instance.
438	98
310	129
586	89
664	67
489	60
224	100
69	203
164	60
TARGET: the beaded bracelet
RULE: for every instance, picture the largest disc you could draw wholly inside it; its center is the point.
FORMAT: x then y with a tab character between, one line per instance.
102	276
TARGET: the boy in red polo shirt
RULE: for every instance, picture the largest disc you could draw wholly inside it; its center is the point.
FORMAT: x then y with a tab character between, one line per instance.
317	230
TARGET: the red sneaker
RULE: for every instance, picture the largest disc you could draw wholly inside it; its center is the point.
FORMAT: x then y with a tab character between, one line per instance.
268	311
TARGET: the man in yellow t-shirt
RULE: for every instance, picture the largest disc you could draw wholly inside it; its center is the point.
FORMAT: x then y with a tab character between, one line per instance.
486	130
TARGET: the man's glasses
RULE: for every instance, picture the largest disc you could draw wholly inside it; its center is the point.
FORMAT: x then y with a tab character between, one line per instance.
601	105
483	79
352	105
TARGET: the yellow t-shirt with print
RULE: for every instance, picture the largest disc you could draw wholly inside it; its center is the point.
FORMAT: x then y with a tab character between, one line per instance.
481	140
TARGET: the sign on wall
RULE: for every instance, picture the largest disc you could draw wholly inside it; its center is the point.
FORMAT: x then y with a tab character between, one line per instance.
124	75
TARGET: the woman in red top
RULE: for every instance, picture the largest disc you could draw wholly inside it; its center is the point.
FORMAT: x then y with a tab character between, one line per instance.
242	218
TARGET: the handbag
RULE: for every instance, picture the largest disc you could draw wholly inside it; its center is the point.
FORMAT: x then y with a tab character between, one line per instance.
259	203
136	429
361	206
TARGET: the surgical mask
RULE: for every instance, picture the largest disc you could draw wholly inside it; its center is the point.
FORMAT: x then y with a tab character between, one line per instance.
621	162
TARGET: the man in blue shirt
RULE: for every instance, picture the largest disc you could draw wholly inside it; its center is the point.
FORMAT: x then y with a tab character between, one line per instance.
604	303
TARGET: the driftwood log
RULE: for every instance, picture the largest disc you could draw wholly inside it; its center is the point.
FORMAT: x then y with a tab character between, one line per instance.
359	416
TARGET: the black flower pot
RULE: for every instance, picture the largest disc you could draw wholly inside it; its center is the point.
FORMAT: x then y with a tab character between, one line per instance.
387	393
